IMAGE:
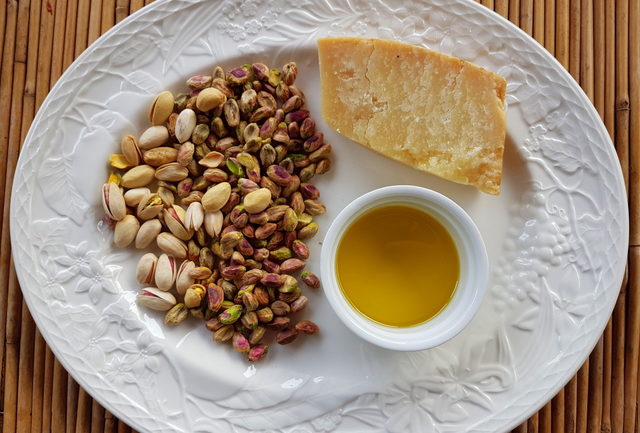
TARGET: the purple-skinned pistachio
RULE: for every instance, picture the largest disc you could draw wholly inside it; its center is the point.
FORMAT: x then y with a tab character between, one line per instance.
278	323
299	304
271	280
296	116
292	104
238	76
314	142
310	279
268	128
306	327
309	191
261	254
300	249
279	175
260	71
256	353
307	127
292	265
294	130
240	343
286	336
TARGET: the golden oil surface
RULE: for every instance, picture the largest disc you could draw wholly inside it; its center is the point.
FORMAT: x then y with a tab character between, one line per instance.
397	265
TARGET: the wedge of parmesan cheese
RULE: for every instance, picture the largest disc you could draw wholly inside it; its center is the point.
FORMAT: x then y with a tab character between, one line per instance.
434	112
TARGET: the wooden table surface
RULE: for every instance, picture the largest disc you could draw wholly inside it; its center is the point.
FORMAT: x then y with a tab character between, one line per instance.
596	40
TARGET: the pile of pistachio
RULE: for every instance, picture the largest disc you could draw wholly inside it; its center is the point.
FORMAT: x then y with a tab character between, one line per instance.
221	184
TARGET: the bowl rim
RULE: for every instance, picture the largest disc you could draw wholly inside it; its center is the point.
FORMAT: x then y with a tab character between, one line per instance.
468	295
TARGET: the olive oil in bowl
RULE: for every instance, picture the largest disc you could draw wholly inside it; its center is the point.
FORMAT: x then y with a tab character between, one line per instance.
397	265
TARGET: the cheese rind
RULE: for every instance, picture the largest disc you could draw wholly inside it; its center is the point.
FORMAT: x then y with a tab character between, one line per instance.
434	112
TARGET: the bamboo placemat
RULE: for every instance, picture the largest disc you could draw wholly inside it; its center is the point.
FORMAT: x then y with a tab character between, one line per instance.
596	40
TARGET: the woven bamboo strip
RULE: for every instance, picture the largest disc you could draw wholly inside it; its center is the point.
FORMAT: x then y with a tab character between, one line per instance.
557	413
514	12
122	10
110	422
570	405
522	428
38	383
82	27
3	23
599	55
108	15
622	86
532	423
502	7
68	53
538	21
57	65
610	67
562	32
594	408
634	133
487	3
47	390
574	39
550	26
582	398
58	400
95	15
526	16
607	365
123	428
25	376
617	373
6	82
72	404
586	48
632	339
544	418
97	417
83	421
7	277
135	5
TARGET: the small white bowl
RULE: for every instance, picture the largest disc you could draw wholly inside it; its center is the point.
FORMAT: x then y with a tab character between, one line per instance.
474	270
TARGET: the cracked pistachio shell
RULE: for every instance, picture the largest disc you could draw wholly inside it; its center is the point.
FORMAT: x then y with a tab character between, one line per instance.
148	233
184	279
194	217
130	149
174	217
149	207
185	124
113	201
160	155
166	271
172	245
257	201
145	271
139	176
161	108
213	223
125	231
176	315
151	297
209	99
212	159
153	136
171	172
216	197
133	196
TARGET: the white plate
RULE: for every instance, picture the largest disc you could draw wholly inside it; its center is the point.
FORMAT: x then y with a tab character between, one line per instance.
556	236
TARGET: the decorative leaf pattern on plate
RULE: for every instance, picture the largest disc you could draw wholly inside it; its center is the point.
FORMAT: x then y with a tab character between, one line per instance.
556	280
